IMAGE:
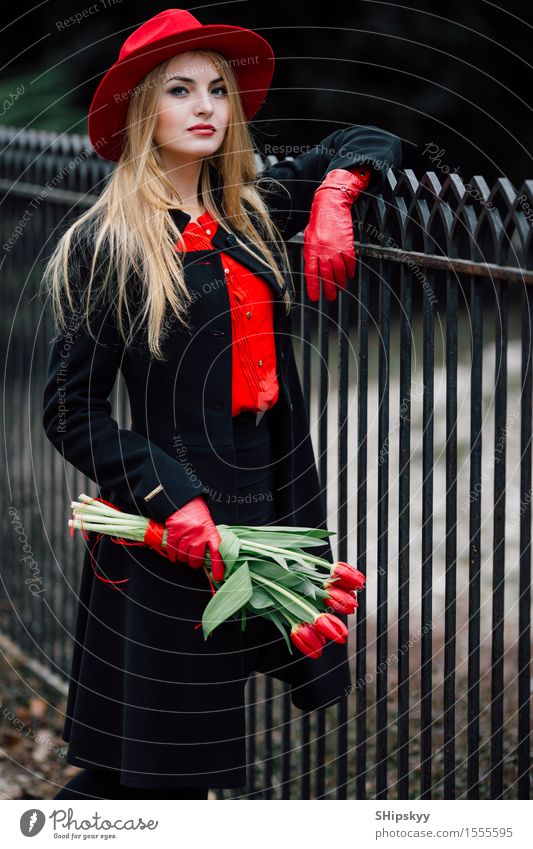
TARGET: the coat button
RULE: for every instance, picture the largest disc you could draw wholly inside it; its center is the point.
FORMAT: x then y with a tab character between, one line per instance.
226	271
248	314
260	362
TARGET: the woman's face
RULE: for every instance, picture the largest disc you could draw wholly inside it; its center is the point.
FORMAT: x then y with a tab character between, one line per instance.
192	93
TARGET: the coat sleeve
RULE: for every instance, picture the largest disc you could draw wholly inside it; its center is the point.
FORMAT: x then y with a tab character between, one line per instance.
349	148
77	418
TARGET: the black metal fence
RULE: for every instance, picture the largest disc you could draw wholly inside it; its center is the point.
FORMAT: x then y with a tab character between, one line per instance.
419	385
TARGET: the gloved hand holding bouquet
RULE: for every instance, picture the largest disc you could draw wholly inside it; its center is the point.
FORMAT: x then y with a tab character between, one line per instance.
262	570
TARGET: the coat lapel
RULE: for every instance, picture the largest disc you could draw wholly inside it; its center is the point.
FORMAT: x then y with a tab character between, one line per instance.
227	243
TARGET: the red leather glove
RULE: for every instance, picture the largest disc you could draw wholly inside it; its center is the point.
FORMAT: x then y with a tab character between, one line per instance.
329	250
189	530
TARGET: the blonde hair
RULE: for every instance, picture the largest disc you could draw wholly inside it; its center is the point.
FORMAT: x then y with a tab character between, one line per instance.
129	229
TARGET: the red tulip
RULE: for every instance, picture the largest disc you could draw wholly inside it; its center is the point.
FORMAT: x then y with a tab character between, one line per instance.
331	627
306	638
347	577
340	600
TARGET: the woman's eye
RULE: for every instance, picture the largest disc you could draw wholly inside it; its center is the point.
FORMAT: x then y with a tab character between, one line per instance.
182	88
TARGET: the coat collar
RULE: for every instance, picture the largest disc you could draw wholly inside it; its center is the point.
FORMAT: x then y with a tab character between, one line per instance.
227	243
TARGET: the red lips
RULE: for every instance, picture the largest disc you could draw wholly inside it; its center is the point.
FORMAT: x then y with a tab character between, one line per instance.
201	127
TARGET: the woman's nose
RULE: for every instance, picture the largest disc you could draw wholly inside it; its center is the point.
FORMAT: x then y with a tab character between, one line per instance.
203	103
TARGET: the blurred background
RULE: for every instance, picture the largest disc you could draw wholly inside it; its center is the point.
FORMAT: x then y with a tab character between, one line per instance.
452	74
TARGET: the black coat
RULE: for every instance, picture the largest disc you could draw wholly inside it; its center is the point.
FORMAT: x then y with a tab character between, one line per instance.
148	695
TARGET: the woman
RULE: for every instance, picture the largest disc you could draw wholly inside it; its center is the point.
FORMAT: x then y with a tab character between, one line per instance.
178	277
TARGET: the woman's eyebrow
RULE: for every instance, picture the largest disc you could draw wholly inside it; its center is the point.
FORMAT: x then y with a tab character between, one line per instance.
189	80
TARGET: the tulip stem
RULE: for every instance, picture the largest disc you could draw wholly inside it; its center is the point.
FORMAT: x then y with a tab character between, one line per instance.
283	591
290	619
287	552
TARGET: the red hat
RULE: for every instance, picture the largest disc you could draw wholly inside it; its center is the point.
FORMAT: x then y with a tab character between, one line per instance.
163	36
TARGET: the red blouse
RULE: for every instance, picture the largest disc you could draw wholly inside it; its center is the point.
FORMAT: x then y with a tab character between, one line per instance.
254	382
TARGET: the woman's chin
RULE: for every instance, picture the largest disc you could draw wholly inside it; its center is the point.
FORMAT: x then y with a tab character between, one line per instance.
197	144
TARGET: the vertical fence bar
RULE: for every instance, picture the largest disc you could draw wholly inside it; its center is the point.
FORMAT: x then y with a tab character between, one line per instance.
34	428
26	285
361	624
450	595
286	758
51	460
382	539
474	576
59	494
342	537
268	720
404	465
60	647
323	346
251	738
305	756
5	500
8	410
296	265
524	603
498	578
427	539
45	464
19	351
42	446
10	431
305	334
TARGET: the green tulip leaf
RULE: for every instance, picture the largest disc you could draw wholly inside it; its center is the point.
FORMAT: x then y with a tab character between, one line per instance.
228	599
292	606
278	621
260	599
229	545
321	593
309	589
287	530
288	579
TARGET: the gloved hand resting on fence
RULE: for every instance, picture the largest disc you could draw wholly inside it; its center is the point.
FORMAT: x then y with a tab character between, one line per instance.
189	530
329	250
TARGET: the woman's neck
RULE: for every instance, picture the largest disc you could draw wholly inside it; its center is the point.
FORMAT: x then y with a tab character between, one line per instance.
195	212
185	179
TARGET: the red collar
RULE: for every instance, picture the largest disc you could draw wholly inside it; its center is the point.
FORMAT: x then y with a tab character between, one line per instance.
205	220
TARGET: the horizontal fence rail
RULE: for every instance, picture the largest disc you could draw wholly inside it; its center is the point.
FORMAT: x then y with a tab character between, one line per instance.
418	385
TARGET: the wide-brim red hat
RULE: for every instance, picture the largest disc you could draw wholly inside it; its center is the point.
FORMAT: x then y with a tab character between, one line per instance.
163	36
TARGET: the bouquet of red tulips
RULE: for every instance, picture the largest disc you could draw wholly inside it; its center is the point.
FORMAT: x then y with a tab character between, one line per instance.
267	572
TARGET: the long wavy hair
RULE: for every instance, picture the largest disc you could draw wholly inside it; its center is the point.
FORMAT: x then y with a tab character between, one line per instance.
129	233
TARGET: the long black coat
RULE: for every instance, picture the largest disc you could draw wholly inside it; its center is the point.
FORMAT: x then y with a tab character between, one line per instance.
148	695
